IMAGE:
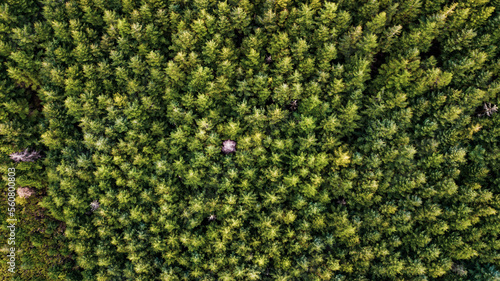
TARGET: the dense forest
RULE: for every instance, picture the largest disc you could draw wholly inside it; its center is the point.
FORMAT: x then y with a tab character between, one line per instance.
251	140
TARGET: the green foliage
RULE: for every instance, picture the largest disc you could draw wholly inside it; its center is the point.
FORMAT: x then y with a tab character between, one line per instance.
361	153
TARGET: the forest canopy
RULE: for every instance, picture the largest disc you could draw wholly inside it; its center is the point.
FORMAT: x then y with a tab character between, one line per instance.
253	140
